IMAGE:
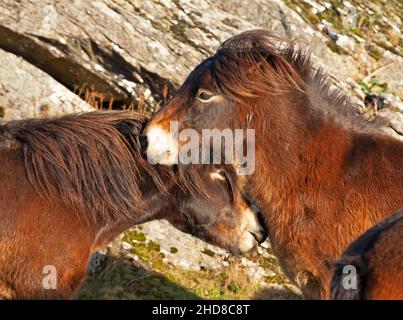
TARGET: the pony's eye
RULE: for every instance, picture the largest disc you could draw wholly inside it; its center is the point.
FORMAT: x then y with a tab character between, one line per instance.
204	95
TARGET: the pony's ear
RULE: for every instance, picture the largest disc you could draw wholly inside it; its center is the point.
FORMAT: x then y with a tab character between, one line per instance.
131	130
129	127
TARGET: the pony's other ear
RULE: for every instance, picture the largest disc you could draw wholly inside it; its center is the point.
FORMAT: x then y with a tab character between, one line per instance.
131	130
129	127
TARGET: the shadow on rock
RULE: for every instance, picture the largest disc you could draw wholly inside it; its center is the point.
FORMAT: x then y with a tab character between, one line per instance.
276	292
122	279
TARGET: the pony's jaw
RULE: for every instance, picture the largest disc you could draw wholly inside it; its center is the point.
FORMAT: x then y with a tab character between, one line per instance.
162	146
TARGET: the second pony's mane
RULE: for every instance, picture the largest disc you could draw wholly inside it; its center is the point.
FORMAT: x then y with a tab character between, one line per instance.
92	161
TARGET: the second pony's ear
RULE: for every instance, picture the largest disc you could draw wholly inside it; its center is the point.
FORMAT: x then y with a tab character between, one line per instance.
129	127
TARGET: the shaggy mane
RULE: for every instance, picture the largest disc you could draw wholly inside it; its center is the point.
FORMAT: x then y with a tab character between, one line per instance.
92	161
259	62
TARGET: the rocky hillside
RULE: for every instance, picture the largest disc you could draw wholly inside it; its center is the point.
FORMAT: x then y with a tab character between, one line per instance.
66	56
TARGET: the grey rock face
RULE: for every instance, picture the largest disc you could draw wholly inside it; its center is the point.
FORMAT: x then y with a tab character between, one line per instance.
125	50
133	53
26	91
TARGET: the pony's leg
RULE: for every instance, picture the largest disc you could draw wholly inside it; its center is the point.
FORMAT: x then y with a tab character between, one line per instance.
6	293
314	286
309	284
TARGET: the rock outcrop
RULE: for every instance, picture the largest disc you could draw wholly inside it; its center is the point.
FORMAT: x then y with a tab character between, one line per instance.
26	91
133	53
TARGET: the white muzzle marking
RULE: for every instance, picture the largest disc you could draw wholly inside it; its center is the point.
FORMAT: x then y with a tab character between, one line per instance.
250	224
162	146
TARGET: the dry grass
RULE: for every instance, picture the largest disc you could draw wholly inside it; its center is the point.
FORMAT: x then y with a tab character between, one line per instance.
99	100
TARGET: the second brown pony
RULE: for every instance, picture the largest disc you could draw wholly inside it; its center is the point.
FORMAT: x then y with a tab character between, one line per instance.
323	174
70	185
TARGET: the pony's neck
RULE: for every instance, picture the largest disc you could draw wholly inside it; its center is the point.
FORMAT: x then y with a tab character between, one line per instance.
156	188
156	205
302	143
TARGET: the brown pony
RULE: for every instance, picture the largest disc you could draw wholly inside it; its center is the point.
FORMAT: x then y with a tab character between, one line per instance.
323	175
377	257
70	185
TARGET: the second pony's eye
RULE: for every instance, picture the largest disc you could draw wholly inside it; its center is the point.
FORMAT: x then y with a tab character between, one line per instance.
204	95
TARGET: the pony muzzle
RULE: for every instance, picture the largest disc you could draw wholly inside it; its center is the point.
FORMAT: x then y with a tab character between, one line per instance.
253	232
162	146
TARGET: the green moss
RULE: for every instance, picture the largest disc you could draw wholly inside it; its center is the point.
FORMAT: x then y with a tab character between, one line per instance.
374	85
335	48
159	265
153	246
215	293
277	278
270	263
134	235
357	32
364	86
370	27
173	250
141	251
333	17
269	251
374	52
148	252
121	280
306	11
235	288
208	252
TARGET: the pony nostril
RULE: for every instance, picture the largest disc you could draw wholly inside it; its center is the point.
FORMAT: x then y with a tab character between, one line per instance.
254	235
264	233
143	143
259	237
263	225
